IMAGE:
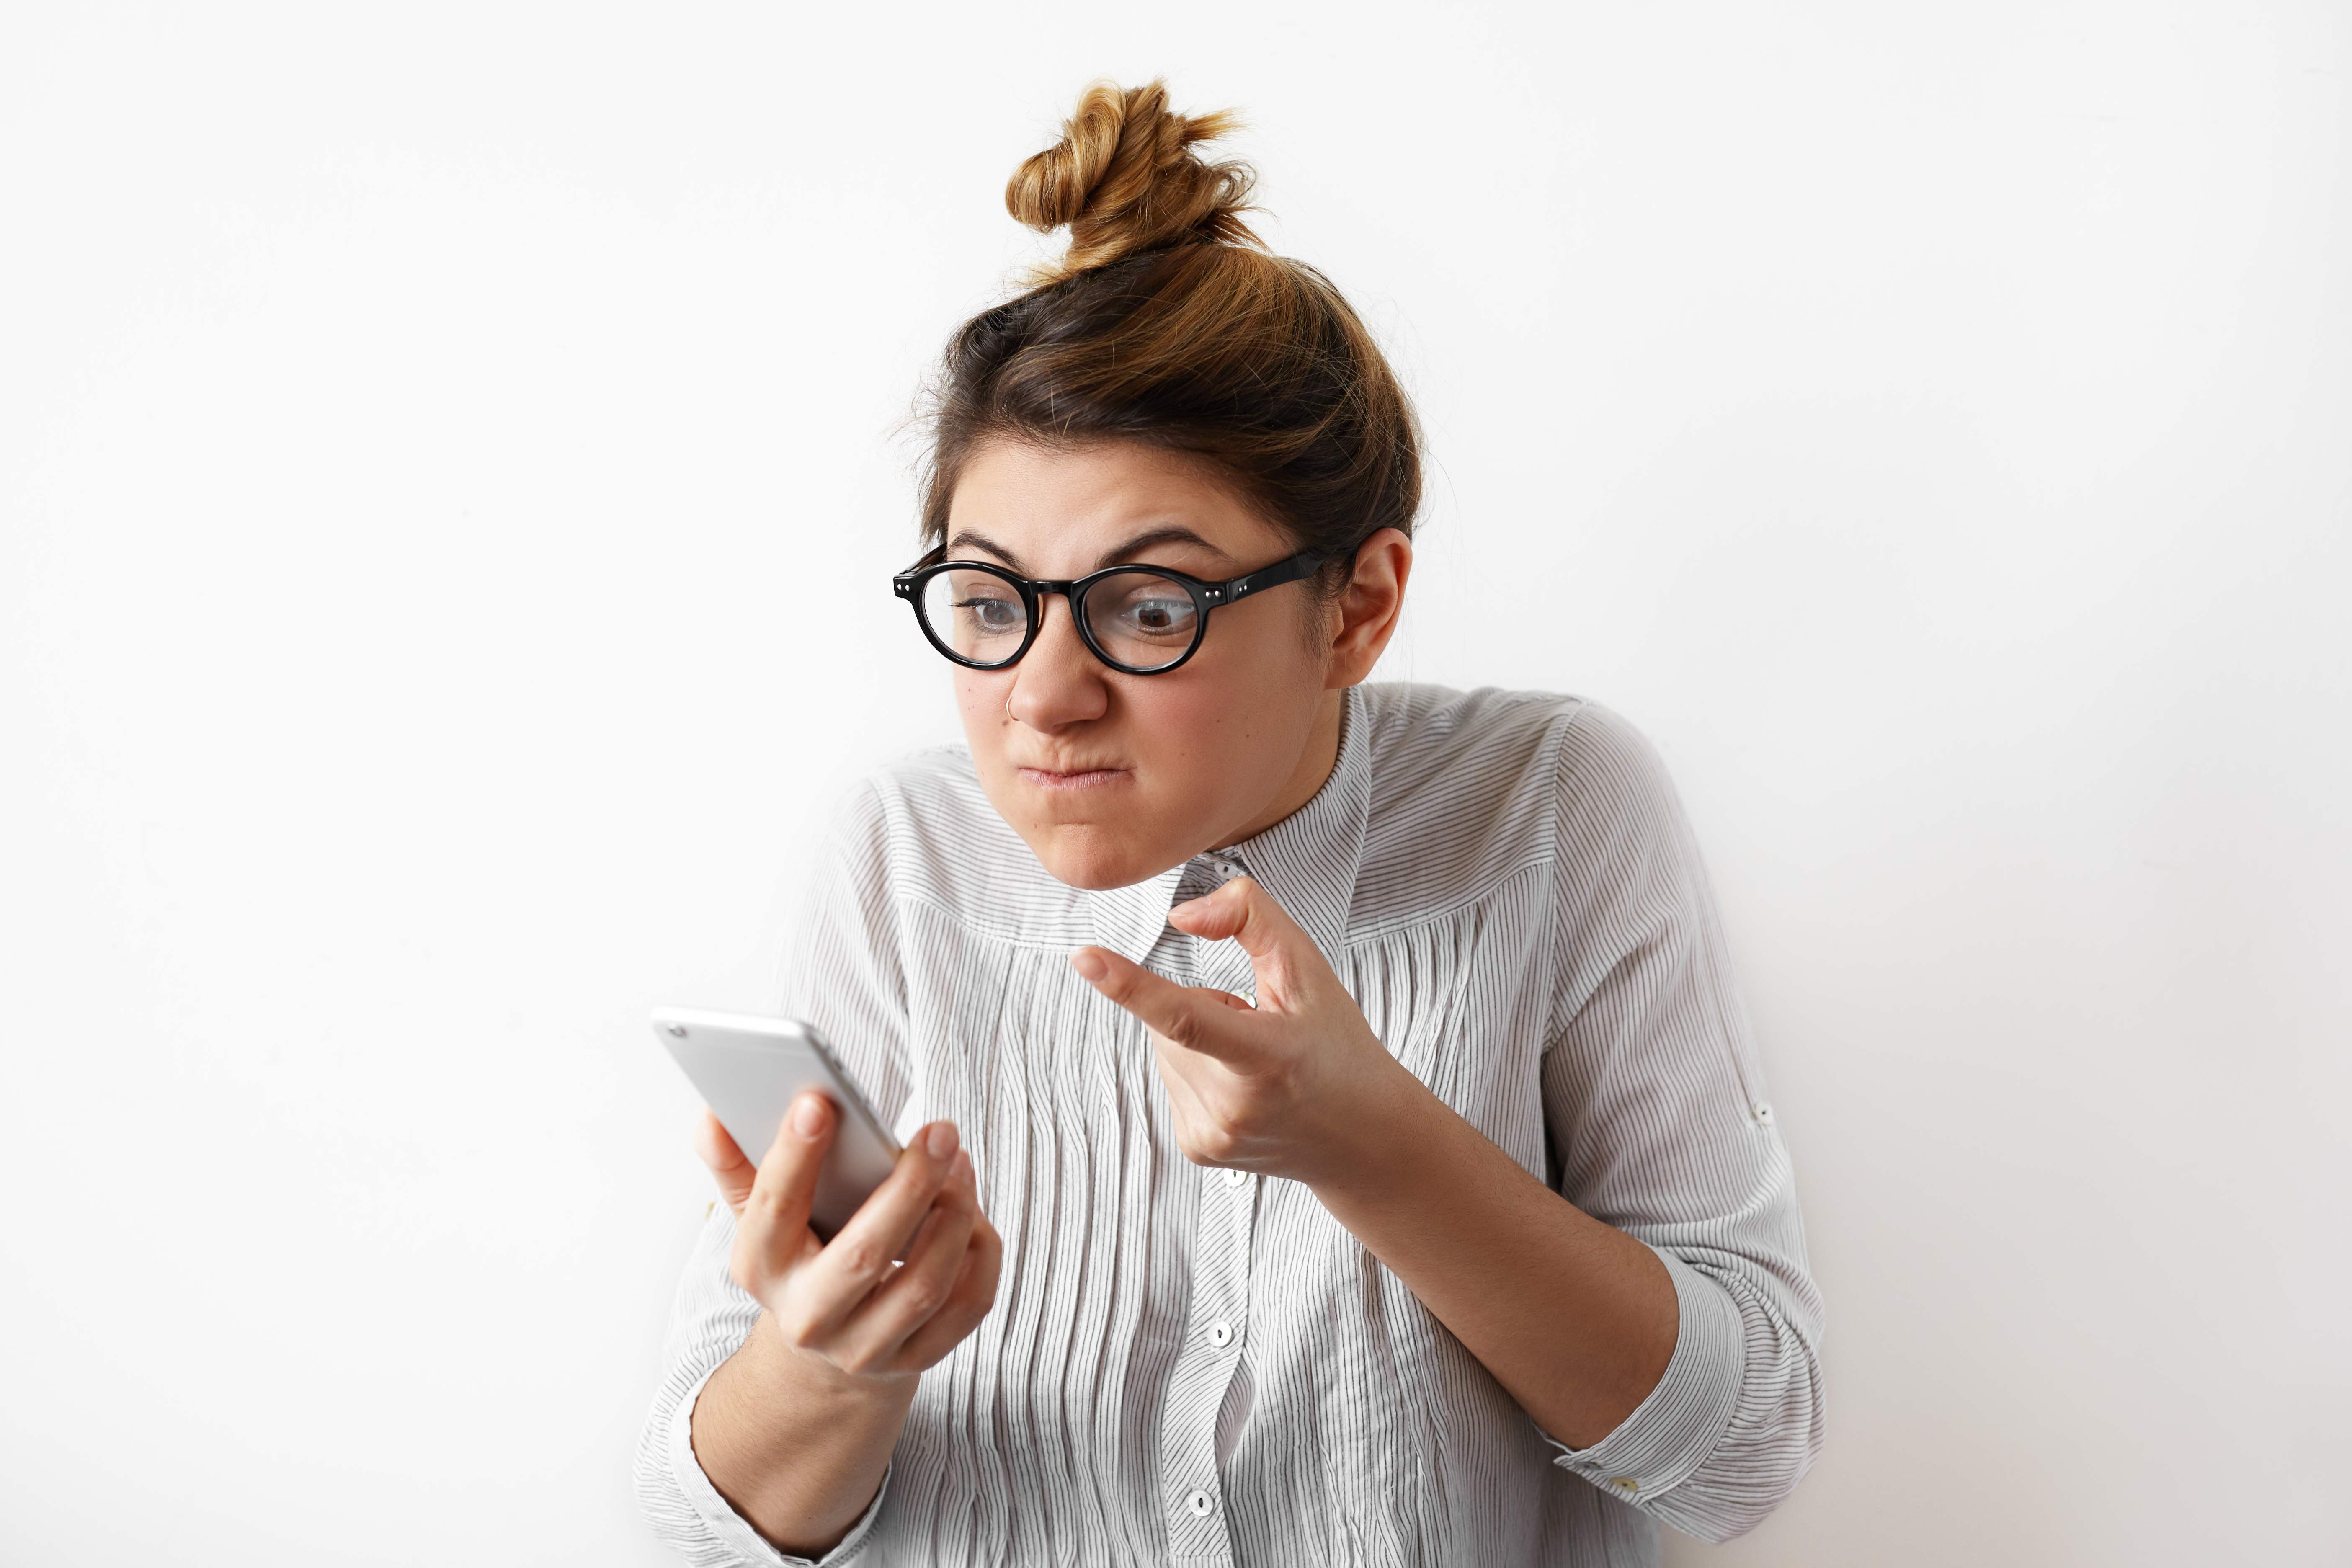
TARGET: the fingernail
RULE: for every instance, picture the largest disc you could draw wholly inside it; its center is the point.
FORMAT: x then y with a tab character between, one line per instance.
808	1116
941	1140
962	1170
1089	965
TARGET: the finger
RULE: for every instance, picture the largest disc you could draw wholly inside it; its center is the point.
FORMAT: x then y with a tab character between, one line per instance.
1166	1009
728	1168
1183	1100
1284	958
909	1299
860	1256
968	1302
945	1329
1227	1138
775	1214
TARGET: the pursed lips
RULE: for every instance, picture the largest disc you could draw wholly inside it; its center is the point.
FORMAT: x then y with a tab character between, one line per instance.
1072	778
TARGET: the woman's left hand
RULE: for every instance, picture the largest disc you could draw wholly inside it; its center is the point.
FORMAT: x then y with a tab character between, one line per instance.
1295	1087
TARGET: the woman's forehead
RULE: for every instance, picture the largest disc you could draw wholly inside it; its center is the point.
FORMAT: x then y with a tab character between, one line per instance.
1062	512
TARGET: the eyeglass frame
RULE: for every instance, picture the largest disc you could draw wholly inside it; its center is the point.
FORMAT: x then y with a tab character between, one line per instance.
1207	597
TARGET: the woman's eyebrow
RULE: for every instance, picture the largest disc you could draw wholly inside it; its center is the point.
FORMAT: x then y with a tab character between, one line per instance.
1171	535
966	539
979	541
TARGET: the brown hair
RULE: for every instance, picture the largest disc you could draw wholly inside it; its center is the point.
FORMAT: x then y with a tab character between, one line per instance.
1169	322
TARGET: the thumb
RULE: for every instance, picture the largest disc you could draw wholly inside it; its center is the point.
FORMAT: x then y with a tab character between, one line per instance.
1284	958
780	1198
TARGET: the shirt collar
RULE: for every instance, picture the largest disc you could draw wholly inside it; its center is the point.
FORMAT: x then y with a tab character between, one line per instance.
1128	921
1307	861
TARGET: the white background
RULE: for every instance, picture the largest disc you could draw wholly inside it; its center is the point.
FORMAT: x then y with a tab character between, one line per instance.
448	474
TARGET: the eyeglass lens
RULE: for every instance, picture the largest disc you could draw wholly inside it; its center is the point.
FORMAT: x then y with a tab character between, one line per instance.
1138	619
978	616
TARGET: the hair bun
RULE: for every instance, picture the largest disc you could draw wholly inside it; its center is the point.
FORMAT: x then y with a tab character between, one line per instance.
1124	179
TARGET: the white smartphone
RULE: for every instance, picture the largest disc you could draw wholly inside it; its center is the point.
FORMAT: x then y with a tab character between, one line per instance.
750	1069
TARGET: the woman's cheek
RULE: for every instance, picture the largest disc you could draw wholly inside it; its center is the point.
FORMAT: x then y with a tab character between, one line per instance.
1206	748
979	703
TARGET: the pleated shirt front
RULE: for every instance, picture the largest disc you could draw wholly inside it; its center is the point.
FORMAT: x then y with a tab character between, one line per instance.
1199	1367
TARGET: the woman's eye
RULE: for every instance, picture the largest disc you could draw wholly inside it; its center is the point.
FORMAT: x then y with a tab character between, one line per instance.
1158	616
992	614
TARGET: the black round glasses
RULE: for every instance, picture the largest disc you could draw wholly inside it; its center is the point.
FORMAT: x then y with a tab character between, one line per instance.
1139	620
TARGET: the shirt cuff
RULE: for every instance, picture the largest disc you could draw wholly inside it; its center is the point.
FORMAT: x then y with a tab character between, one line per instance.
1672	1433
732	1528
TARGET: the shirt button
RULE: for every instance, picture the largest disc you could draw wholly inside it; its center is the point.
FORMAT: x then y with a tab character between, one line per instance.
1221	1334
1235	1176
1200	1505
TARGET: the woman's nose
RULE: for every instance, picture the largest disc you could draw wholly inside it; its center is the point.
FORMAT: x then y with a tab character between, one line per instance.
1058	681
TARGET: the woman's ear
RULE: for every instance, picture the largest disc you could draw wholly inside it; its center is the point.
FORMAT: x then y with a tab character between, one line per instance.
1369	607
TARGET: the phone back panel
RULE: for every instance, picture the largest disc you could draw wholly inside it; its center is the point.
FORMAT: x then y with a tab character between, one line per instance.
750	1069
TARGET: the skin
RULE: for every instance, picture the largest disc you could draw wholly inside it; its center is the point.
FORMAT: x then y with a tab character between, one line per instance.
1111	779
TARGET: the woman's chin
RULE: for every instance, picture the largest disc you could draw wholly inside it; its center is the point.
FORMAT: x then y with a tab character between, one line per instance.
1090	858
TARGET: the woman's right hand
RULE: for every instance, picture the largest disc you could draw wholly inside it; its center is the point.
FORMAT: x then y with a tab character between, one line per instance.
848	1303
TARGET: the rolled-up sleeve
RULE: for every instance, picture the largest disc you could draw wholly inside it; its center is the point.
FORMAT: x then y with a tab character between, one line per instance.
1660	1125
709	1320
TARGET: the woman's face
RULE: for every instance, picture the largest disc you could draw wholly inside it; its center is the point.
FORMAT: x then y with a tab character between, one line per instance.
1113	778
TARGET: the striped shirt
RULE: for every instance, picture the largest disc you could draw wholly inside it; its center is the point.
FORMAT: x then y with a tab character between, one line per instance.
1196	1366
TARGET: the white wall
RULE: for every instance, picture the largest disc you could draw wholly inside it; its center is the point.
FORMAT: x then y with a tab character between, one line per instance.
447	482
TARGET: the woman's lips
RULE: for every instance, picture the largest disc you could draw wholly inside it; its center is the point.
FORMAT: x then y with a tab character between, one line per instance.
1077	778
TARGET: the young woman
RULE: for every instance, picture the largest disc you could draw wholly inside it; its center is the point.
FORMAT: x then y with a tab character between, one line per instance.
1333	1135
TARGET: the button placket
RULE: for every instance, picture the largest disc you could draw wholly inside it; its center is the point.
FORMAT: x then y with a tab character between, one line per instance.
1217	1319
1217	1313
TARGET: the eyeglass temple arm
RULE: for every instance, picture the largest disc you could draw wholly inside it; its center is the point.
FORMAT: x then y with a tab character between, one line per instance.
1304	564
903	583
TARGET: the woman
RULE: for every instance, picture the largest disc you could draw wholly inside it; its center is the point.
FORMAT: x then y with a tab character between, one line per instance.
1332	1131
